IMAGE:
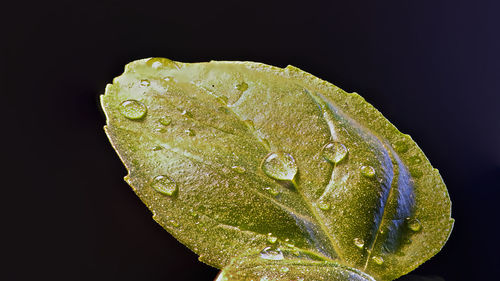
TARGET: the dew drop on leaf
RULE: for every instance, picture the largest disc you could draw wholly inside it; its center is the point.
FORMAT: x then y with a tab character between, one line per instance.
368	171
414	224
334	152
144	83
360	243
378	260
268	253
165	120
280	166
164	185
133	109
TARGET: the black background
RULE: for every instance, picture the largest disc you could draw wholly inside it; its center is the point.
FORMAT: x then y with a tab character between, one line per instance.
431	67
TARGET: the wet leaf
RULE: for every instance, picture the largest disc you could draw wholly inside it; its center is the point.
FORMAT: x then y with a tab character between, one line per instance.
232	157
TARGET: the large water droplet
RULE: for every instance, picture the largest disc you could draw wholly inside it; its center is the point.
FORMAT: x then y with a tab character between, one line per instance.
378	260
145	83
269	253
368	171
360	243
413	224
164	185
242	86
280	166
133	109
165	120
334	152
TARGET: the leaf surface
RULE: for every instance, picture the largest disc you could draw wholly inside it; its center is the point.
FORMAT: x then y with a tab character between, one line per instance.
232	157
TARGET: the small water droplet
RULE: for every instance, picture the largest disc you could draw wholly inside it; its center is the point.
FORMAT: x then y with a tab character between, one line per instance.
160	130
238	169
414	224
334	152
368	171
268	253
272	191
271	239
157	63
164	185
324	206
378	260
189	132
145	83
165	120
242	86
280	166
284	269
133	109
360	243
157	147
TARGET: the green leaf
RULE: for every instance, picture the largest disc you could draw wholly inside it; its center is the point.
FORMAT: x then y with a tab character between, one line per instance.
234	157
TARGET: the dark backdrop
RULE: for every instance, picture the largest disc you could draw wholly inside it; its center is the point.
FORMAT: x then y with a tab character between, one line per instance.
431	67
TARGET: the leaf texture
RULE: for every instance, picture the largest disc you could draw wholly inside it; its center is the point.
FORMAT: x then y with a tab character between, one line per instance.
232	157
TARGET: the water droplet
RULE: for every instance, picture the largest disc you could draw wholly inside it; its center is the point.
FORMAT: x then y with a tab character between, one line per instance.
280	166
242	86
165	120
238	169
157	147
133	109
157	63
174	223
272	191
378	260
368	171
145	83
164	185
160	130
189	132
414	224
284	269
360	243
334	152
271	239
268	253
323	206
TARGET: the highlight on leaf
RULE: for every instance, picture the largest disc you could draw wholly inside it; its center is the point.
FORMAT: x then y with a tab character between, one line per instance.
274	174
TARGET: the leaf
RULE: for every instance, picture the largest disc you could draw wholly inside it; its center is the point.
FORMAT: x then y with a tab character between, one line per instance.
233	157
